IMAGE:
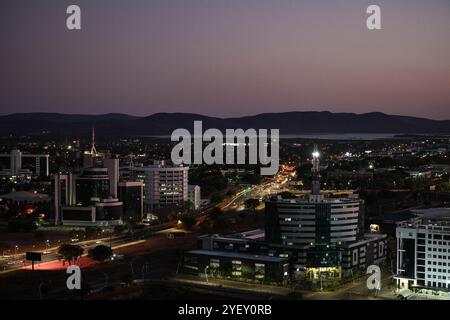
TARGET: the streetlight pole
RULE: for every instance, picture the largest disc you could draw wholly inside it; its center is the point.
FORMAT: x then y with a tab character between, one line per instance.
40	290
321	284
106	280
131	266
206	274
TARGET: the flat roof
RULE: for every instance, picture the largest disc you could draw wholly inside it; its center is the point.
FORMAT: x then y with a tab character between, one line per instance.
249	235
307	201
432	213
238	255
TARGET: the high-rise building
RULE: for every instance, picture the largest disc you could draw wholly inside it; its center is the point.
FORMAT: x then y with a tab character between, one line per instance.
314	219
320	225
63	186
26	164
113	173
131	193
423	254
194	196
165	185
89	198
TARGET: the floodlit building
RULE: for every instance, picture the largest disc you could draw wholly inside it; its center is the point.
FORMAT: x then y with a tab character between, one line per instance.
423	253
194	196
165	185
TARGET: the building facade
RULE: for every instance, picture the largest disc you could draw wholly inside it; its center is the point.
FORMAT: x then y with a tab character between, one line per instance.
165	185
131	193
25	164
194	196
423	254
314	220
237	266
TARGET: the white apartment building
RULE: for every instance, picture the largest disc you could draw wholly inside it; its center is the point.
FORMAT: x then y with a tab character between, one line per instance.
164	185
194	196
423	253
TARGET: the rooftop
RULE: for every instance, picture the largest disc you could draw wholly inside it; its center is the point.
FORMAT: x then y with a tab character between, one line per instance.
238	255
433	213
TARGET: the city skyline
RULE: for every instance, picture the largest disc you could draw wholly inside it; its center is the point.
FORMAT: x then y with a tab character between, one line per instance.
226	59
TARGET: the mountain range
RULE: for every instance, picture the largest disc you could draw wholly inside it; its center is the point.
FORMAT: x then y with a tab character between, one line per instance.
123	125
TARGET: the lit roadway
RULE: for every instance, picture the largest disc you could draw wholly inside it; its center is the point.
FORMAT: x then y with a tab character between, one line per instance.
267	188
17	261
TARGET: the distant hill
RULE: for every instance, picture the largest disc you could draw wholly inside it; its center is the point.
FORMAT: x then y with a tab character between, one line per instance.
164	123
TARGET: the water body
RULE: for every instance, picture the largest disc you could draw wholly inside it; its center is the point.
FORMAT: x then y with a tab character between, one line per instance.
344	136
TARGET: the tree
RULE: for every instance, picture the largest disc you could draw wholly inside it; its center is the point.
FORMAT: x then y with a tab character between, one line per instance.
100	253
118	229
167	213
251	203
14	225
216	197
29	224
287	195
70	252
91	231
22	224
126	278
188	221
39	235
218	219
205	225
250	179
77	234
443	187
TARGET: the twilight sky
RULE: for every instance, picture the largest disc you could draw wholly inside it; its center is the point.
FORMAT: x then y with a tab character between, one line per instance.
225	57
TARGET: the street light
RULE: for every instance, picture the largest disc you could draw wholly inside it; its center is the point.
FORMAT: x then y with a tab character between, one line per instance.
321	279
206	274
144	270
40	290
106	279
131	266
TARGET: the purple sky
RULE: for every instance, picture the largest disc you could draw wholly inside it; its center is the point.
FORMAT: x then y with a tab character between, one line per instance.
225	57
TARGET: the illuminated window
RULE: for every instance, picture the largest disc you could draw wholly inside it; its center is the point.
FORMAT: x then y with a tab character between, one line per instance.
214	263
260	270
237	268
